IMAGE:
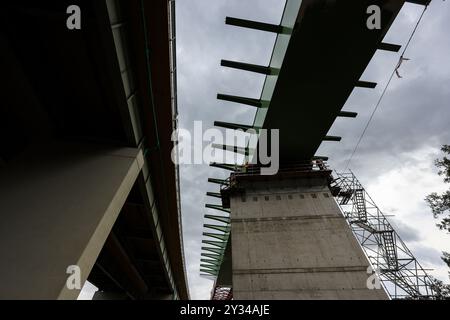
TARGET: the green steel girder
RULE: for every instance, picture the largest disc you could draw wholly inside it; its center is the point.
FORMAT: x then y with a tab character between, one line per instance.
268	27
347	114
320	65
214	195
218	218
239	150
210	267
243	100
366	84
224	229
233	126
209	272
323	158
218	181
421	2
223	237
389	47
219	244
214	262
213	250
226	166
249	67
332	138
212	256
216	207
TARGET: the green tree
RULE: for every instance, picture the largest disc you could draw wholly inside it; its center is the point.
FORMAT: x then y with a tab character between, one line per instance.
440	206
441	290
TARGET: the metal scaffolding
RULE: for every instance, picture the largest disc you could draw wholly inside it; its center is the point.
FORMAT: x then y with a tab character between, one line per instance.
398	270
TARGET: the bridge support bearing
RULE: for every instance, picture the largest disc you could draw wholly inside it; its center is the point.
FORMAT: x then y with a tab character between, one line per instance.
290	241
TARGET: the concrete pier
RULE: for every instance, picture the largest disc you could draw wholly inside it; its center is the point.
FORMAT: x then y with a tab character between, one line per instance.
290	241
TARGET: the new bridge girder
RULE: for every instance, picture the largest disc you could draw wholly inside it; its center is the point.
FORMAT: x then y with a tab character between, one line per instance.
318	64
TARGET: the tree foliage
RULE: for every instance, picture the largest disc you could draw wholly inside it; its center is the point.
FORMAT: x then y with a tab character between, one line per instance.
441	290
440	206
440	203
446	258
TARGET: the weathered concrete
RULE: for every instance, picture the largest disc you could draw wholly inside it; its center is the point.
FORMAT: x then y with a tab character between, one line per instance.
290	241
58	204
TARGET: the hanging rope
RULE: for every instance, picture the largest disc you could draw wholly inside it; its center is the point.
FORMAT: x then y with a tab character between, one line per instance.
400	61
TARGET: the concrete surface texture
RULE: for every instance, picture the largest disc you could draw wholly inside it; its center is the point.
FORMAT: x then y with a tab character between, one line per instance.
290	241
58	204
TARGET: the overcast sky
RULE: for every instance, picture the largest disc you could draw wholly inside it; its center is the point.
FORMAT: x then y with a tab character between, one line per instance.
395	159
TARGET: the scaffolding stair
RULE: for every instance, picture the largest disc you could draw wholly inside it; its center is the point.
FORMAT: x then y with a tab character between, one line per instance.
390	249
360	204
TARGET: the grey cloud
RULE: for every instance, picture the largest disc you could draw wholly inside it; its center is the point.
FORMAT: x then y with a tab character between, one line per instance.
203	40
428	256
415	111
406	232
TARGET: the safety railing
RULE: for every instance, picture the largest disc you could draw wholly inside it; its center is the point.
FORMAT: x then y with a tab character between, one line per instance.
250	170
